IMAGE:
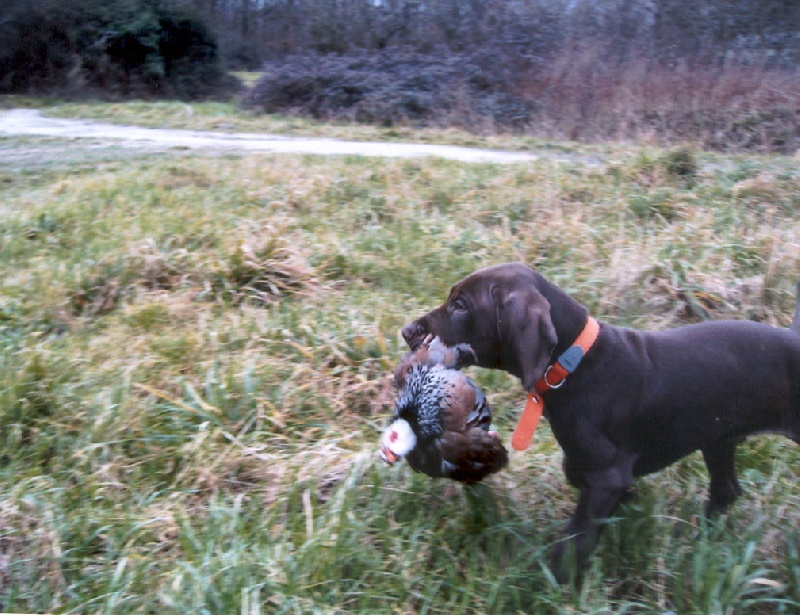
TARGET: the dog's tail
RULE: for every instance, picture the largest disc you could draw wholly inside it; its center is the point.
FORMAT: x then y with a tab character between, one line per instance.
795	326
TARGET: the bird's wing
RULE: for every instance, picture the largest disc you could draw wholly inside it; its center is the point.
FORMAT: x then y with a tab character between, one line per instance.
464	405
458	401
427	458
470	456
481	413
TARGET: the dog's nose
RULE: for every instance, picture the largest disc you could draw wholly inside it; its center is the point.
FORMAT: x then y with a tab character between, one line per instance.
413	332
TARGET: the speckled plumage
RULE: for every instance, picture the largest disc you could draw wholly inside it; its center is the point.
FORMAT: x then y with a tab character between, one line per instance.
448	414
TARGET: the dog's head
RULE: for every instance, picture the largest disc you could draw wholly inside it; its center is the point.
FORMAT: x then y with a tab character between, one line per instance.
500	312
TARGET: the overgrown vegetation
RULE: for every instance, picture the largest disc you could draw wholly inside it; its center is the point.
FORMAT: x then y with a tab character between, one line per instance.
108	48
720	75
397	86
578	94
668	31
195	360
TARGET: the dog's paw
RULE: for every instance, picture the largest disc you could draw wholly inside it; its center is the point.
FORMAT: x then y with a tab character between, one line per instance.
563	564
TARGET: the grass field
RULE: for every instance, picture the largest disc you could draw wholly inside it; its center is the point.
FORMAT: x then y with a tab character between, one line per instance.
195	360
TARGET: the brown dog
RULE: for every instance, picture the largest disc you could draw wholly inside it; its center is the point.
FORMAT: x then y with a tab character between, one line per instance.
638	401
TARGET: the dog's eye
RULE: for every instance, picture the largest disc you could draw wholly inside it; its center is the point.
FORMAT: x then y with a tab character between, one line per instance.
459	305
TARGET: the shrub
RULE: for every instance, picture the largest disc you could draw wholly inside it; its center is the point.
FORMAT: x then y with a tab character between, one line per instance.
116	47
395	86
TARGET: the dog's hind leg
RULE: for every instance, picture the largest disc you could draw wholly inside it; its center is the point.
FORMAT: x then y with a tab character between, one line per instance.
724	487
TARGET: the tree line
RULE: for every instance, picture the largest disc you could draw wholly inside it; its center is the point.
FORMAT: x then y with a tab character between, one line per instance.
251	31
154	44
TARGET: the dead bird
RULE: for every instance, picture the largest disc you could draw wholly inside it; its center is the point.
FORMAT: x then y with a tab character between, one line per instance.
442	419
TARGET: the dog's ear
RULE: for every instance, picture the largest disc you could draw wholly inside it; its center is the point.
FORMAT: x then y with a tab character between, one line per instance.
525	328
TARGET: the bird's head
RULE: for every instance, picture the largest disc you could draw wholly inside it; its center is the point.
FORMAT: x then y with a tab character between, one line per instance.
397	441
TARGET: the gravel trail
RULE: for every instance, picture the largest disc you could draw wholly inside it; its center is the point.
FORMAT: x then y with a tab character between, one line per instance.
32	122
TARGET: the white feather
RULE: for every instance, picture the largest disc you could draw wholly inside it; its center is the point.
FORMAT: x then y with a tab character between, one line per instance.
399	438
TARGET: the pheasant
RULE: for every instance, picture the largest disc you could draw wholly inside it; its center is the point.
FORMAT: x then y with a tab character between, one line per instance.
441	418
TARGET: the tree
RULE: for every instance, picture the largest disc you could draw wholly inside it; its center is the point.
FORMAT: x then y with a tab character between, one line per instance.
117	47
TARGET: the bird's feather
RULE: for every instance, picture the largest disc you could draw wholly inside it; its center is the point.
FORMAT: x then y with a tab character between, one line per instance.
448	413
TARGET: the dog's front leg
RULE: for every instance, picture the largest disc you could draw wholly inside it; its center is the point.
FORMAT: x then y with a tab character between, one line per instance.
573	474
596	501
724	487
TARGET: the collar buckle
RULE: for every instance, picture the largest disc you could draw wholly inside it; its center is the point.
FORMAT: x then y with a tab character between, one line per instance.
550	385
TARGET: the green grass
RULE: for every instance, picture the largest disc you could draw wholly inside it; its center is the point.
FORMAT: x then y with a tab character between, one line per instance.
195	360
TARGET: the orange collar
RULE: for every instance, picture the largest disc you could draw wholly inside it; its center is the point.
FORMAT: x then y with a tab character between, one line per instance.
553	378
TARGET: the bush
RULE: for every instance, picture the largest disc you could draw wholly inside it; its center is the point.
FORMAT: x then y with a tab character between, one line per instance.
112	47
395	86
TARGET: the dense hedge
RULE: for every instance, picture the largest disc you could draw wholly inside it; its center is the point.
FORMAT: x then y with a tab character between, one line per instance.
395	86
113	47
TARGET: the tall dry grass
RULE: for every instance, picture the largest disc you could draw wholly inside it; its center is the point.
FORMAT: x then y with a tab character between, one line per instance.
585	93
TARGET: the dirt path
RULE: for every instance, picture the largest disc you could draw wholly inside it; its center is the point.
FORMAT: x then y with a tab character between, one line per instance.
32	122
